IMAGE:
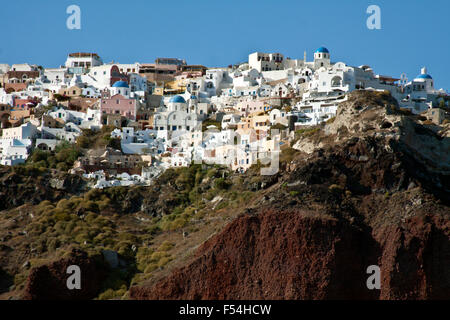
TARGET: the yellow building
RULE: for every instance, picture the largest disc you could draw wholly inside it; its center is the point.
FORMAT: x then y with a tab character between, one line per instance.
71	92
260	122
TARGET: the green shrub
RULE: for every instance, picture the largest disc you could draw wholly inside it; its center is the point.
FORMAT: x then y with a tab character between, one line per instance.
151	267
222	205
173	225
278	126
166	246
222	184
331	120
163	262
62	158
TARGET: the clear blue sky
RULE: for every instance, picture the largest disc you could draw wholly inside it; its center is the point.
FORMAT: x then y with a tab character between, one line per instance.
214	33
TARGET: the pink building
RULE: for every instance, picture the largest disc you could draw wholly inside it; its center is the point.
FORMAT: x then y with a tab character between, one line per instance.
118	104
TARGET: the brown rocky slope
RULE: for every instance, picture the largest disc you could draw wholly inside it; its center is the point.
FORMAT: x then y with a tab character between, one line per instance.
376	191
47	282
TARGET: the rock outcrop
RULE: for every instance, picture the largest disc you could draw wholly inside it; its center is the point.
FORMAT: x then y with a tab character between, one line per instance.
49	282
18	187
415	259
289	255
274	255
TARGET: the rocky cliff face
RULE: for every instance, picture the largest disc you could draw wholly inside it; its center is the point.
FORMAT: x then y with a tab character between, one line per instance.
273	255
289	255
49	282
18	187
415	259
376	192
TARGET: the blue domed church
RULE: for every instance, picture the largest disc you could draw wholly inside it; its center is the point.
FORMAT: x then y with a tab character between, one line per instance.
322	58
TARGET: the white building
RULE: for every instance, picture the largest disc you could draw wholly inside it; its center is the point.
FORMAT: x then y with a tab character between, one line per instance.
138	83
178	116
68	115
216	81
277	116
15	144
419	93
56	76
25	131
230	121
103	75
128	68
266	61
24	67
79	63
14	151
139	142
70	132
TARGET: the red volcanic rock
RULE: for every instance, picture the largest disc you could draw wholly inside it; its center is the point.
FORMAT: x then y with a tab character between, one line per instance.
292	255
49	282
416	259
275	255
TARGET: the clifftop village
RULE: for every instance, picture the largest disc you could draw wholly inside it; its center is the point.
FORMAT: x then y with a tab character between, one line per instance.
169	114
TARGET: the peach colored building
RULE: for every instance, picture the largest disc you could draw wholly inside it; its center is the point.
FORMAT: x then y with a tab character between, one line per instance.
261	122
73	91
250	107
17	116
